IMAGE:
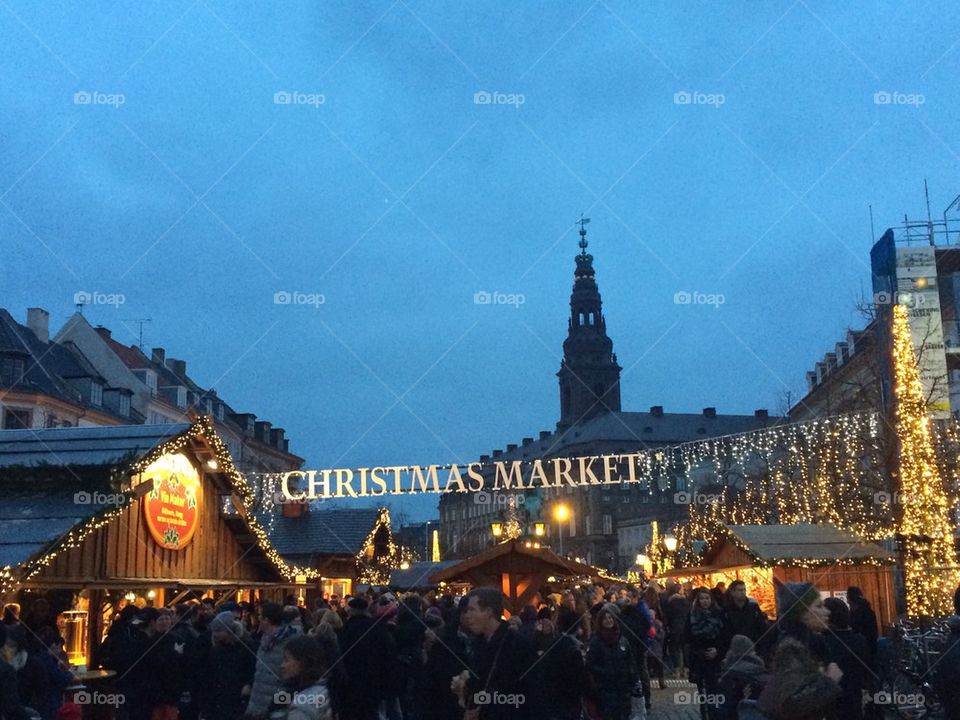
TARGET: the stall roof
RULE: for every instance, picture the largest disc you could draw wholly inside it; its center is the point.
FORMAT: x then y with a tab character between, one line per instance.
110	445
779	543
497	553
321	532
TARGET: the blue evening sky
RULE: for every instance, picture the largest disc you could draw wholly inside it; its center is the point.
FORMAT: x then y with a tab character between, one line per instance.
144	153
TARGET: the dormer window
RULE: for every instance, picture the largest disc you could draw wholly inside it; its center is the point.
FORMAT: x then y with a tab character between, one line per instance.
181	396
151	380
96	393
11	369
124	405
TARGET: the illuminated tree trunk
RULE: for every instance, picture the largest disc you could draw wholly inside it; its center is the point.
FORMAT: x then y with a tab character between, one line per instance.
930	569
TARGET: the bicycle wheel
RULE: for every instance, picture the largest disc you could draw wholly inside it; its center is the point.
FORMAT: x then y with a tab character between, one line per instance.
908	697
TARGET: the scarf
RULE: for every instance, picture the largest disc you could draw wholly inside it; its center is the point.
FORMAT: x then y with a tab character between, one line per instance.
705	624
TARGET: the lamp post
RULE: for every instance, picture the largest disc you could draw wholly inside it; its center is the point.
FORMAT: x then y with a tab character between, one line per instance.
670	544
561	513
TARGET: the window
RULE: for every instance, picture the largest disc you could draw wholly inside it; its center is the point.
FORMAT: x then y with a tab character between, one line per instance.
17	419
587	525
181	396
152	382
11	370
124	404
51	421
608	525
573	525
96	393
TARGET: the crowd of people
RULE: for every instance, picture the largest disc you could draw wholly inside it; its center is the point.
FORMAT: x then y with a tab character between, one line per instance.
583	653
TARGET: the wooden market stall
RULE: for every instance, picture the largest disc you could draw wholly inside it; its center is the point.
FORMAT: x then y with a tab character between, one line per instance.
516	567
766	556
94	518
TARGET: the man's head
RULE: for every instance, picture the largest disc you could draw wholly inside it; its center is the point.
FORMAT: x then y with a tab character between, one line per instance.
483	612
271	616
738	592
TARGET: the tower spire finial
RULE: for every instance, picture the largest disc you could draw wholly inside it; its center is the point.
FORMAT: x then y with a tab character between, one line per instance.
583	233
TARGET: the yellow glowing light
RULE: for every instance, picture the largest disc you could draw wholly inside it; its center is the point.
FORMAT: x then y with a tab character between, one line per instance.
561	512
538	529
497	529
670	543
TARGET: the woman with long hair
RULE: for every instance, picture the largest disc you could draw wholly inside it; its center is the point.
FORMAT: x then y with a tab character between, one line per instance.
304	695
705	630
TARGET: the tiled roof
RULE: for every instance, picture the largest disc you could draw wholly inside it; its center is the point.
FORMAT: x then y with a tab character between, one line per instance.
321	532
417	575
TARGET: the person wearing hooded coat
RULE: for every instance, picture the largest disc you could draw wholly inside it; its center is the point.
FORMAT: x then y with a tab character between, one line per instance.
743	675
848	649
804	683
369	655
863	620
612	665
230	673
445	655
562	671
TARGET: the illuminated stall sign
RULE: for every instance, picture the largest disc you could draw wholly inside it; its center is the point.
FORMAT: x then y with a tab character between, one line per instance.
172	505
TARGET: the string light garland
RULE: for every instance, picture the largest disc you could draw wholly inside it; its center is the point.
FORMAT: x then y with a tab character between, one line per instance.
930	562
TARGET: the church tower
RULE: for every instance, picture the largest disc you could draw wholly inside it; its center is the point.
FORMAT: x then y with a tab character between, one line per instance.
589	373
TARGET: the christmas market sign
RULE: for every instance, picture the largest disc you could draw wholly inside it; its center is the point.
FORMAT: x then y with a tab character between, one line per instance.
172	504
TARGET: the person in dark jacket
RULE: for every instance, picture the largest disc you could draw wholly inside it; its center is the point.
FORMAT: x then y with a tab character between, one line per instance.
369	654
804	684
741	614
561	667
10	706
706	633
848	650
52	658
743	675
229	676
408	635
611	663
502	682
636	622
863	619
676	611
444	657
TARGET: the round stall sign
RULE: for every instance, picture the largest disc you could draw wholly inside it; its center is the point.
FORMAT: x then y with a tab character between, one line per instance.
172	505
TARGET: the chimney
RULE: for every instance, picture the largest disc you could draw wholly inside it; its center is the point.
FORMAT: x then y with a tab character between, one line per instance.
709	412
656	410
276	437
38	320
527	441
497	453
286	444
261	431
159	356
511	447
177	367
761	414
544	434
484	458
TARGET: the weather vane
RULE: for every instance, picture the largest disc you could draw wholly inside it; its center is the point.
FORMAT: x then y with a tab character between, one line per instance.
583	233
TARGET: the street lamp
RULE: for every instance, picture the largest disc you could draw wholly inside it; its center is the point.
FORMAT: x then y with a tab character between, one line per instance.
538	529
561	513
497	529
670	543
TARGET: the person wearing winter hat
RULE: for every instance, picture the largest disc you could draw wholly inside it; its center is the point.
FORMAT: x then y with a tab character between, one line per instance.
804	684
743	674
612	665
232	662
